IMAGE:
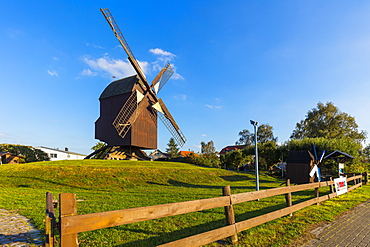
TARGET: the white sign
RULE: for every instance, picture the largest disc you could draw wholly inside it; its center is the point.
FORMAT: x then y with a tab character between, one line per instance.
340	185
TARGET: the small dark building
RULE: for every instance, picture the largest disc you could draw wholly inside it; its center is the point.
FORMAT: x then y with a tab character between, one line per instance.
8	158
299	165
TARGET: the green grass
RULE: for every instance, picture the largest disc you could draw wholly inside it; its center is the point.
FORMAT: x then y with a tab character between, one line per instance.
111	185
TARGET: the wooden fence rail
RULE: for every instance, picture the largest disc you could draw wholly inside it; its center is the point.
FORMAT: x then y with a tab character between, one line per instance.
70	224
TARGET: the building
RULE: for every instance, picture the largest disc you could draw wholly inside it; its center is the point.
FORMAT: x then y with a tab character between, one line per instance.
159	155
8	158
56	154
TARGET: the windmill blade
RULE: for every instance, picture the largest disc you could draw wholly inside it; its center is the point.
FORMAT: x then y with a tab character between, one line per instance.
117	32
161	79
169	122
129	113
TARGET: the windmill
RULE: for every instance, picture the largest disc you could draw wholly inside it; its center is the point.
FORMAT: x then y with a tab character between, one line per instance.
129	108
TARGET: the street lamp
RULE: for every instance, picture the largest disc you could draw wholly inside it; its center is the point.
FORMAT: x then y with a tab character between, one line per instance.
255	124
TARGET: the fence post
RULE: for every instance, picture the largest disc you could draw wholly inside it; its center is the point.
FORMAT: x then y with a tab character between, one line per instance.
288	196
317	193
366	179
331	186
49	221
229	212
68	207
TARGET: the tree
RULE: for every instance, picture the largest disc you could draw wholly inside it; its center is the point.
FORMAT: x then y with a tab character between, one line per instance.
208	148
207	157
264	134
235	159
329	122
98	146
172	149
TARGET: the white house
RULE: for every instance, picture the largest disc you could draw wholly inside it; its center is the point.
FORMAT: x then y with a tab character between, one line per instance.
56	154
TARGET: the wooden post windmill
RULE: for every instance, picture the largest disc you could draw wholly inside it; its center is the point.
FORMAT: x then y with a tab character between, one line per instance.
129	108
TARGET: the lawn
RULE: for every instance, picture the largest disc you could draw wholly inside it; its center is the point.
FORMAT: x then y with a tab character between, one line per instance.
102	185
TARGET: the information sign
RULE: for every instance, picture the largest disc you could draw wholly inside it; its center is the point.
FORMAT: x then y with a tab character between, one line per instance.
340	185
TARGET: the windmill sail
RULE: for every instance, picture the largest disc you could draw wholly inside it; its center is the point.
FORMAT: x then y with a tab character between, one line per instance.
171	124
161	79
117	32
129	113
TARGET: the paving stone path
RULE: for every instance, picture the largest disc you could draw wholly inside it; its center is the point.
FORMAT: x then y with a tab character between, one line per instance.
16	230
352	229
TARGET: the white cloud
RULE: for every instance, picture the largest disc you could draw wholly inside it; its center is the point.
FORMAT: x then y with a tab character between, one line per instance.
213	106
204	135
165	55
180	96
177	76
95	46
114	67
88	72
53	73
119	68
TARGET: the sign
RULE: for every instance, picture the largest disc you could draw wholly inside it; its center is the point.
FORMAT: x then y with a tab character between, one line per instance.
340	185
341	168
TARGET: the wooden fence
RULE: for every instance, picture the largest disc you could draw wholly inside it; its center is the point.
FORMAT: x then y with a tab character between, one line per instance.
70	223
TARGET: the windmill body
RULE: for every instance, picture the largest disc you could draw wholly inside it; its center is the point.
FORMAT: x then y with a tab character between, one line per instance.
143	132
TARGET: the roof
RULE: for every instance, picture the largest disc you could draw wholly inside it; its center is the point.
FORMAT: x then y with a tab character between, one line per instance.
119	87
62	151
339	156
231	148
187	153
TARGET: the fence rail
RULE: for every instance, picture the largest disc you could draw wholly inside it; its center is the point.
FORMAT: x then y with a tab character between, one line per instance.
70	224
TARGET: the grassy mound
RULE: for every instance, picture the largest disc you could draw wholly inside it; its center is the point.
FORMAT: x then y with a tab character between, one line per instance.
103	185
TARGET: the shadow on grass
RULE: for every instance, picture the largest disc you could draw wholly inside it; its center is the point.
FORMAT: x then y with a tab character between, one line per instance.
55	183
172	182
167	237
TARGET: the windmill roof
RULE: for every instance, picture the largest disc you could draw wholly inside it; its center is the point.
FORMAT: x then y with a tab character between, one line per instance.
119	87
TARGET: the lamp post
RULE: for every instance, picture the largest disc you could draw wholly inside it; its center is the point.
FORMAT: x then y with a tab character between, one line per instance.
255	124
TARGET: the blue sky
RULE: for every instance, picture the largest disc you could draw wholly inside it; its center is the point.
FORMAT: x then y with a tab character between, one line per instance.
270	61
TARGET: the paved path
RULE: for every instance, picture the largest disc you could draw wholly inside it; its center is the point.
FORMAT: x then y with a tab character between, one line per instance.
16	230
352	229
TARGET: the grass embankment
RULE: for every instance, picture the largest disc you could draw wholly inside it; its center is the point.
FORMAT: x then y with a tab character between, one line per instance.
112	185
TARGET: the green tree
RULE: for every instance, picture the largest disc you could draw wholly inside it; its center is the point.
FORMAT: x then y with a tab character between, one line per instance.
268	154
172	149
329	122
207	157
264	134
98	146
235	159
208	148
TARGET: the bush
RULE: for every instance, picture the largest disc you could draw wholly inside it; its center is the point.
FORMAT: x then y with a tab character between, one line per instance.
209	160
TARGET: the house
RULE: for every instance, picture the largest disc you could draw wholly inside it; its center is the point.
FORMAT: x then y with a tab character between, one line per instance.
56	154
8	158
159	155
231	148
187	153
